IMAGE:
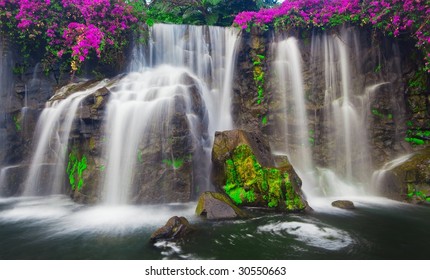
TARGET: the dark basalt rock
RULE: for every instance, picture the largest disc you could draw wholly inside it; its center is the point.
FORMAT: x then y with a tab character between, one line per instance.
218	206
343	204
175	228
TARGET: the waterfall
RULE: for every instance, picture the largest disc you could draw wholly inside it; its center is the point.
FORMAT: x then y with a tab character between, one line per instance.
288	66
325	112
159	122
207	51
346	112
51	139
179	87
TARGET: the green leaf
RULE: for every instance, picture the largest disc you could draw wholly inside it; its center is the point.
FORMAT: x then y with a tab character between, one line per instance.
212	19
150	22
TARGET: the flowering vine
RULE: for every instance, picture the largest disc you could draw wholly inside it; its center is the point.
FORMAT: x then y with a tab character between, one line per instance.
394	17
75	29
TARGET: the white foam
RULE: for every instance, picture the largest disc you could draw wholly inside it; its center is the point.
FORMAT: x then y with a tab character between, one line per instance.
311	234
62	216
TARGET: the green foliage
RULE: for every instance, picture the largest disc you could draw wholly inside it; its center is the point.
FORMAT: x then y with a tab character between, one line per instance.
412	192
417	136
264	120
419	82
258	73
377	113
248	182
68	31
378	68
175	163
140	156
199	12
292	201
17	122
75	170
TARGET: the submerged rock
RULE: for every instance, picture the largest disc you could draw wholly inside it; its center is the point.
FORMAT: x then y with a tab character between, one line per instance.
175	228
245	170
343	204
218	206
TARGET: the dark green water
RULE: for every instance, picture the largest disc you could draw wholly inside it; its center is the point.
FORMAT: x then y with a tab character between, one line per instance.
56	228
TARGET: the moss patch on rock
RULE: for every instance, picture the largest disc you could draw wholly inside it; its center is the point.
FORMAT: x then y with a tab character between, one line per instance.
250	184
75	169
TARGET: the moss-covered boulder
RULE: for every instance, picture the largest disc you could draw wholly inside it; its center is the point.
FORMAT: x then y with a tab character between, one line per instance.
176	228
215	206
409	181
245	170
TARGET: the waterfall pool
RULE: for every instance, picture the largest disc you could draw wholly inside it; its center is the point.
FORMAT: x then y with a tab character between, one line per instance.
54	227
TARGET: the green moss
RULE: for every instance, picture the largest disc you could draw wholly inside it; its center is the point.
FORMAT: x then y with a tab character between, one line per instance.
75	170
377	113
175	163
140	156
293	202
258	73
264	120
378	68
417	136
247	182
412	192
17	122
415	141
418	83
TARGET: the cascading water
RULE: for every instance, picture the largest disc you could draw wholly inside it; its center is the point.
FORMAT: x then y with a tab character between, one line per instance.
208	51
346	113
47	168
322	97
288	66
161	117
182	82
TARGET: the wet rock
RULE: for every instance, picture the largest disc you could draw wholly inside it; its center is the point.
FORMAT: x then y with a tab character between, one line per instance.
409	181
245	170
343	204
175	228
218	206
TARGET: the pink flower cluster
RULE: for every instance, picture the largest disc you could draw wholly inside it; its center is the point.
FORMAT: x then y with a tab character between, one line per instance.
395	17
73	27
83	38
300	12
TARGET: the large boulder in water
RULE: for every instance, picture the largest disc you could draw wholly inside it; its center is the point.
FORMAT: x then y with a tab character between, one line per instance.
175	228
245	170
218	206
410	180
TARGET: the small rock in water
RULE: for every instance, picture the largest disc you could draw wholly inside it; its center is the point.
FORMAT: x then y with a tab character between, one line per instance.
344	204
218	206
175	228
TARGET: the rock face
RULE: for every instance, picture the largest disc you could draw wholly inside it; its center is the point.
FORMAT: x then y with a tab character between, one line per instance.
176	228
409	181
244	169
215	206
343	204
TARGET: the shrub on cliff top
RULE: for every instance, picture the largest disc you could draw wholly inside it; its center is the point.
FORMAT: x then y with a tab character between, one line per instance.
394	17
70	29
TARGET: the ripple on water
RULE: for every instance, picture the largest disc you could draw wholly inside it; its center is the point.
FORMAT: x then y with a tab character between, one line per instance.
310	234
